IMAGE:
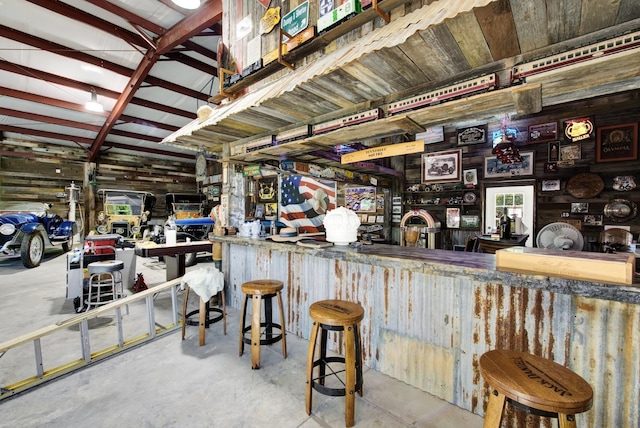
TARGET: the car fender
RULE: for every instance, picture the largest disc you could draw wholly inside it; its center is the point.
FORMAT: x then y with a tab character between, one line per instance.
31	228
66	229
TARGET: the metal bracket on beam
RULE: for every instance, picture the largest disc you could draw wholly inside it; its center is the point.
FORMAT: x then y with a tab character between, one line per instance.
380	12
280	59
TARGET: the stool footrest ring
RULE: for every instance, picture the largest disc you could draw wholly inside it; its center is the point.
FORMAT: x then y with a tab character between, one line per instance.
266	341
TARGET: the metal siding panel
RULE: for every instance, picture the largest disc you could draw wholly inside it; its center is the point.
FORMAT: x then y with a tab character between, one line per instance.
430	330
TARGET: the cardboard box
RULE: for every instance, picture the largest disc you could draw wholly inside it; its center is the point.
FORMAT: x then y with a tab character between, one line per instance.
595	267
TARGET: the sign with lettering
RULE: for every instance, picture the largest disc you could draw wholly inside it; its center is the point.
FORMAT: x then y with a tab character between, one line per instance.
296	20
384	152
269	20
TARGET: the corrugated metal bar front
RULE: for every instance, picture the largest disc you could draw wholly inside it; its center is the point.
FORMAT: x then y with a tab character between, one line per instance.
429	330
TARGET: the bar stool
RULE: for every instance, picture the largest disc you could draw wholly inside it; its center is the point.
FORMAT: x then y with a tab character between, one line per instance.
537	385
336	315
105	282
261	290
204	311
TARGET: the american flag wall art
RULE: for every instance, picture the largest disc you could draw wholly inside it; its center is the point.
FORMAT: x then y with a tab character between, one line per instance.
304	202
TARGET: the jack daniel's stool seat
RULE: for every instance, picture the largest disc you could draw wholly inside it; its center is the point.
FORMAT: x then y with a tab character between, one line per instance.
537	385
261	290
335	315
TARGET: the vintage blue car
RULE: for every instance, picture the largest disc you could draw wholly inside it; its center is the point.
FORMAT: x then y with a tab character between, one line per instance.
28	229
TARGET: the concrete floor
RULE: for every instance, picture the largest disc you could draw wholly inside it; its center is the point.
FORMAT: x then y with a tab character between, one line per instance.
169	382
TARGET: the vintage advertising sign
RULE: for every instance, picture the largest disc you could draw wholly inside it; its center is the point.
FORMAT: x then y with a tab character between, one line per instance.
269	20
301	38
296	20
472	135
578	129
384	152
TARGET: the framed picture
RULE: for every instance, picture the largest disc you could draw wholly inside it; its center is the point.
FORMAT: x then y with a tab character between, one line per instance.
550	167
442	167
453	217
472	135
396	209
592	220
554	152
579	207
396	200
470	177
493	167
570	152
470	221
360	199
543	132
617	143
550	185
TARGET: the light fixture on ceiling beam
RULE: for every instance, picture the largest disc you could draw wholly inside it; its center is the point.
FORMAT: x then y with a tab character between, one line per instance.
187	4
93	104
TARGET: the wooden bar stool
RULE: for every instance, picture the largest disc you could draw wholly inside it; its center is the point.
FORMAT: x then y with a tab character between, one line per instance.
336	315
537	385
204	317
261	290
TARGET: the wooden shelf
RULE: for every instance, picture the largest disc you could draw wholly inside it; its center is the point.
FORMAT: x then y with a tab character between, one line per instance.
318	42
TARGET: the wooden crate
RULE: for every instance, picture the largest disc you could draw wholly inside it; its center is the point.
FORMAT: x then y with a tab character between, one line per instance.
586	266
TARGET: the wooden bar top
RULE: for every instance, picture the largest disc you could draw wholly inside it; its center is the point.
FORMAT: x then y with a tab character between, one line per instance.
477	266
151	249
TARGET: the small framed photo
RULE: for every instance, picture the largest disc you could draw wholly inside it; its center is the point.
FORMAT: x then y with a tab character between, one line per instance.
570	152
442	167
550	185
371	219
453	217
470	177
617	143
551	167
472	135
494	167
554	151
396	200
380	219
592	220
579	207
396	209
543	132
470	221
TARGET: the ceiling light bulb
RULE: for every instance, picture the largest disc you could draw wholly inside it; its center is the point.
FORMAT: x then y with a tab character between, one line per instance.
93	104
187	4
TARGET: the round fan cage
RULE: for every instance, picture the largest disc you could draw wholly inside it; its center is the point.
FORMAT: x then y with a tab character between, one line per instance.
560	236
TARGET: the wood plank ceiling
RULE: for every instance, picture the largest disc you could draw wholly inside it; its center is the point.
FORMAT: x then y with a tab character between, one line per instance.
153	65
405	57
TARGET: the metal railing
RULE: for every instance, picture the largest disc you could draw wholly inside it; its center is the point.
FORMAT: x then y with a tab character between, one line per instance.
70	362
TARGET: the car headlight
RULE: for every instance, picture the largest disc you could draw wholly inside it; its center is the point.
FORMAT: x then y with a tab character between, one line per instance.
7	229
101	229
135	229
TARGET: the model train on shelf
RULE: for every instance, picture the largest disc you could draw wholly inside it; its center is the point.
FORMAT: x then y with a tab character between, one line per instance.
456	90
599	49
337	16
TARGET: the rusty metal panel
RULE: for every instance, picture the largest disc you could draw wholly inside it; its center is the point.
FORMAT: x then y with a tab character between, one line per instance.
429	330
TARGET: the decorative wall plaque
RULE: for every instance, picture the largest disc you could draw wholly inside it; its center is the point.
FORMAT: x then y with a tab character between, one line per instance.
472	135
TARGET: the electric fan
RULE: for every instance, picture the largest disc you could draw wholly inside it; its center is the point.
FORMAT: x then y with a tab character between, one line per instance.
560	236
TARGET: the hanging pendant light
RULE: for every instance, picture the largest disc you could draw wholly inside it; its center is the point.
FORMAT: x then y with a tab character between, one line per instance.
506	150
187	4
93	104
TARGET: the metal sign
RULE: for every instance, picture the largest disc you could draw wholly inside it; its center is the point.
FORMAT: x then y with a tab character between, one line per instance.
384	151
269	20
296	20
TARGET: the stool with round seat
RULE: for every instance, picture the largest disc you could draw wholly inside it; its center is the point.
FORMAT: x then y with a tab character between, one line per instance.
261	290
105	282
335	315
204	314
535	384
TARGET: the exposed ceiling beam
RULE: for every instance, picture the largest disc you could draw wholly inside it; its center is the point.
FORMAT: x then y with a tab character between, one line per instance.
67	52
54	78
54	102
209	13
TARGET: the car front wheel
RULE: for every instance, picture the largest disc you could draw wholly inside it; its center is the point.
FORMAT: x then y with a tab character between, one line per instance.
32	250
